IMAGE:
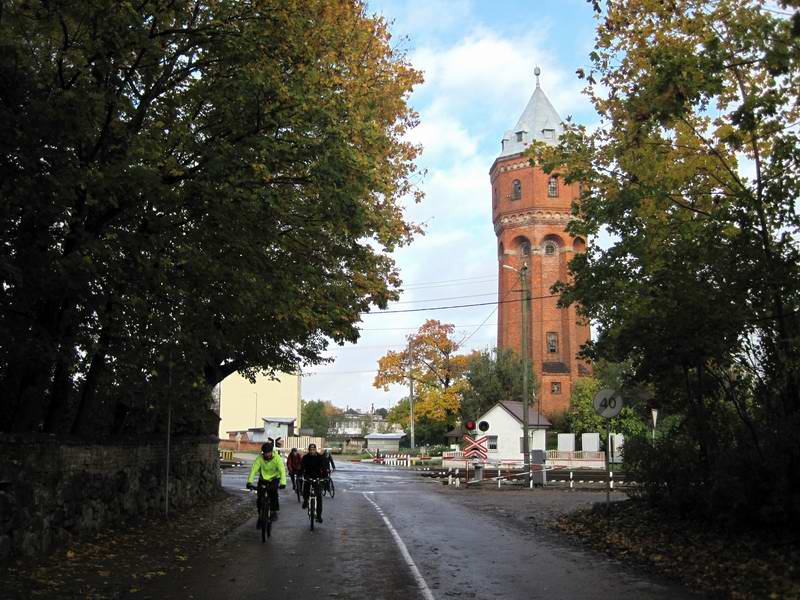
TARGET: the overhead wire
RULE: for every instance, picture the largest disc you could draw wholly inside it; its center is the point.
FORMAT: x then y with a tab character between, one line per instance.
494	310
454	306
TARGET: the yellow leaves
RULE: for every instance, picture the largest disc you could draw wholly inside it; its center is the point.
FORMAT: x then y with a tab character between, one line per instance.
437	404
437	372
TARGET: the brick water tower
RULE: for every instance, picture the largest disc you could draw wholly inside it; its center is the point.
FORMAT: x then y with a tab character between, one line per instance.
530	210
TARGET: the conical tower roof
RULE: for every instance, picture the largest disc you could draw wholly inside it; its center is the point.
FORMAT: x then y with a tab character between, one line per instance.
539	122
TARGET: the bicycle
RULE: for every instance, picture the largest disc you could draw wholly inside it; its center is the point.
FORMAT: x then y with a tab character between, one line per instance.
328	488
313	490
264	510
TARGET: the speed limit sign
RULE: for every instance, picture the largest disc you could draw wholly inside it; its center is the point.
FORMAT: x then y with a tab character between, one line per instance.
607	403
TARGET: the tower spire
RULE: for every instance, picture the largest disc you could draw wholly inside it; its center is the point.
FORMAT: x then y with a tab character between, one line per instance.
537	71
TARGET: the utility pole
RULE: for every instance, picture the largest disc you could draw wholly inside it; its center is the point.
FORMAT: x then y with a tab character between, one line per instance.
169	434
411	391
526	442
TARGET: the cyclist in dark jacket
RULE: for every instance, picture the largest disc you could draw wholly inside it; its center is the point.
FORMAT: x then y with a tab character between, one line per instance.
313	466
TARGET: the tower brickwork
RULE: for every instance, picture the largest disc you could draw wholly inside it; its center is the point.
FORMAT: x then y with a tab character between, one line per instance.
530	210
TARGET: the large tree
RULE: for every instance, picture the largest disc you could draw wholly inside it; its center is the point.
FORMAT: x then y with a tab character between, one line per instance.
189	189
695	171
431	360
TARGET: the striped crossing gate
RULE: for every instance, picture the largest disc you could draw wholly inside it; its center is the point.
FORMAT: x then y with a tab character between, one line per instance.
397	460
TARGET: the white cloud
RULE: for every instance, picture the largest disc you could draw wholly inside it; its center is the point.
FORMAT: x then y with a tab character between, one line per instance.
443	137
491	75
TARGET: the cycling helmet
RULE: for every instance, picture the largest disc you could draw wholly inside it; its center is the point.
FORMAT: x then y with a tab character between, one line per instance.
266	447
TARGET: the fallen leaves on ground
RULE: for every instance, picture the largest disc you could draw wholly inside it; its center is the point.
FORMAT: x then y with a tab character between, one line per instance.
720	563
117	562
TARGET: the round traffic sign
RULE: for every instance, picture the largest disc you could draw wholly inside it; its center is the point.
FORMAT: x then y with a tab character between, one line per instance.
607	403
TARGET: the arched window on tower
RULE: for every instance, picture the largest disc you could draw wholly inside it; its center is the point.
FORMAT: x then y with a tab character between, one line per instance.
525	249
516	192
552	187
549	249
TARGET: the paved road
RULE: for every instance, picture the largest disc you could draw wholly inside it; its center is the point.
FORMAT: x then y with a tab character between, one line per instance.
389	534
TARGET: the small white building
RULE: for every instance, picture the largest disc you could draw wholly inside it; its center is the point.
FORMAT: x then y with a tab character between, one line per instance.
385	442
505	431
275	429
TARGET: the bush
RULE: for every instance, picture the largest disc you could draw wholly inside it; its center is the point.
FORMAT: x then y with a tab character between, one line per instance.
726	481
438	449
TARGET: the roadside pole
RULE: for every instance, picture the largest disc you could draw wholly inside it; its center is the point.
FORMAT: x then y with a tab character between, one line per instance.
169	432
608	404
608	461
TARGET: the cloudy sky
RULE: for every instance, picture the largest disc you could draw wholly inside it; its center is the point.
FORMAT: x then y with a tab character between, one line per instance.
478	60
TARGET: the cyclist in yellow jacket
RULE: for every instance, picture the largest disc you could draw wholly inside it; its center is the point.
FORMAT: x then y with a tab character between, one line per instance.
270	472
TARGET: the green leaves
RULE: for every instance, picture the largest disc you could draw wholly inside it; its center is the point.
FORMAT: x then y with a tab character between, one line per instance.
198	179
699	282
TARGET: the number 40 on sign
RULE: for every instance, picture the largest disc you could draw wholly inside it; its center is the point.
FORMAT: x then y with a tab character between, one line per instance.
607	403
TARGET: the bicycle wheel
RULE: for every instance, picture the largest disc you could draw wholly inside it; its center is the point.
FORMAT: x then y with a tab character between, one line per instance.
332	488
312	509
265	519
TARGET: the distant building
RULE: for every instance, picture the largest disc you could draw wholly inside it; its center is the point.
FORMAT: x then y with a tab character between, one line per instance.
244	404
384	442
275	430
353	423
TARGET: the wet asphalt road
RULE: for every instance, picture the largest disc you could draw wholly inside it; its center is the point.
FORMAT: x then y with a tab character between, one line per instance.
389	534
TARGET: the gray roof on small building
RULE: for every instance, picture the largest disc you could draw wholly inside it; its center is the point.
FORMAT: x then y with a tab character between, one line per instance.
539	122
288	420
385	436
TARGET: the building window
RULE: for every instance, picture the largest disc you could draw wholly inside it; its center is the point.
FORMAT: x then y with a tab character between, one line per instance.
549	134
552	187
555	387
525	249
552	342
516	194
519	136
491	443
494	197
549	249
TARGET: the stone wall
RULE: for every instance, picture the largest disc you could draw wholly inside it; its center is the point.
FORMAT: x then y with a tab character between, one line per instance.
53	490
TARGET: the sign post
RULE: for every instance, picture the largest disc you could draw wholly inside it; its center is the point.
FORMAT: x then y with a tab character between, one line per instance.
608	404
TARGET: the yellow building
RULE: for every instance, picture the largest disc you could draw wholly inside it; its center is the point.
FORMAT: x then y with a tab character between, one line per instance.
243	404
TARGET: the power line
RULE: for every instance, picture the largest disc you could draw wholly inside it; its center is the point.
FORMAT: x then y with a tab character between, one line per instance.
494	310
412	328
450	298
448	281
452	306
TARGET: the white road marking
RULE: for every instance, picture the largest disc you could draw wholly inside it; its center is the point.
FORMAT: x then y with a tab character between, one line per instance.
423	587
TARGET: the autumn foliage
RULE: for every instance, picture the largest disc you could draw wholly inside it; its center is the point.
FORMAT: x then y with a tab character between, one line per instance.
438	372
